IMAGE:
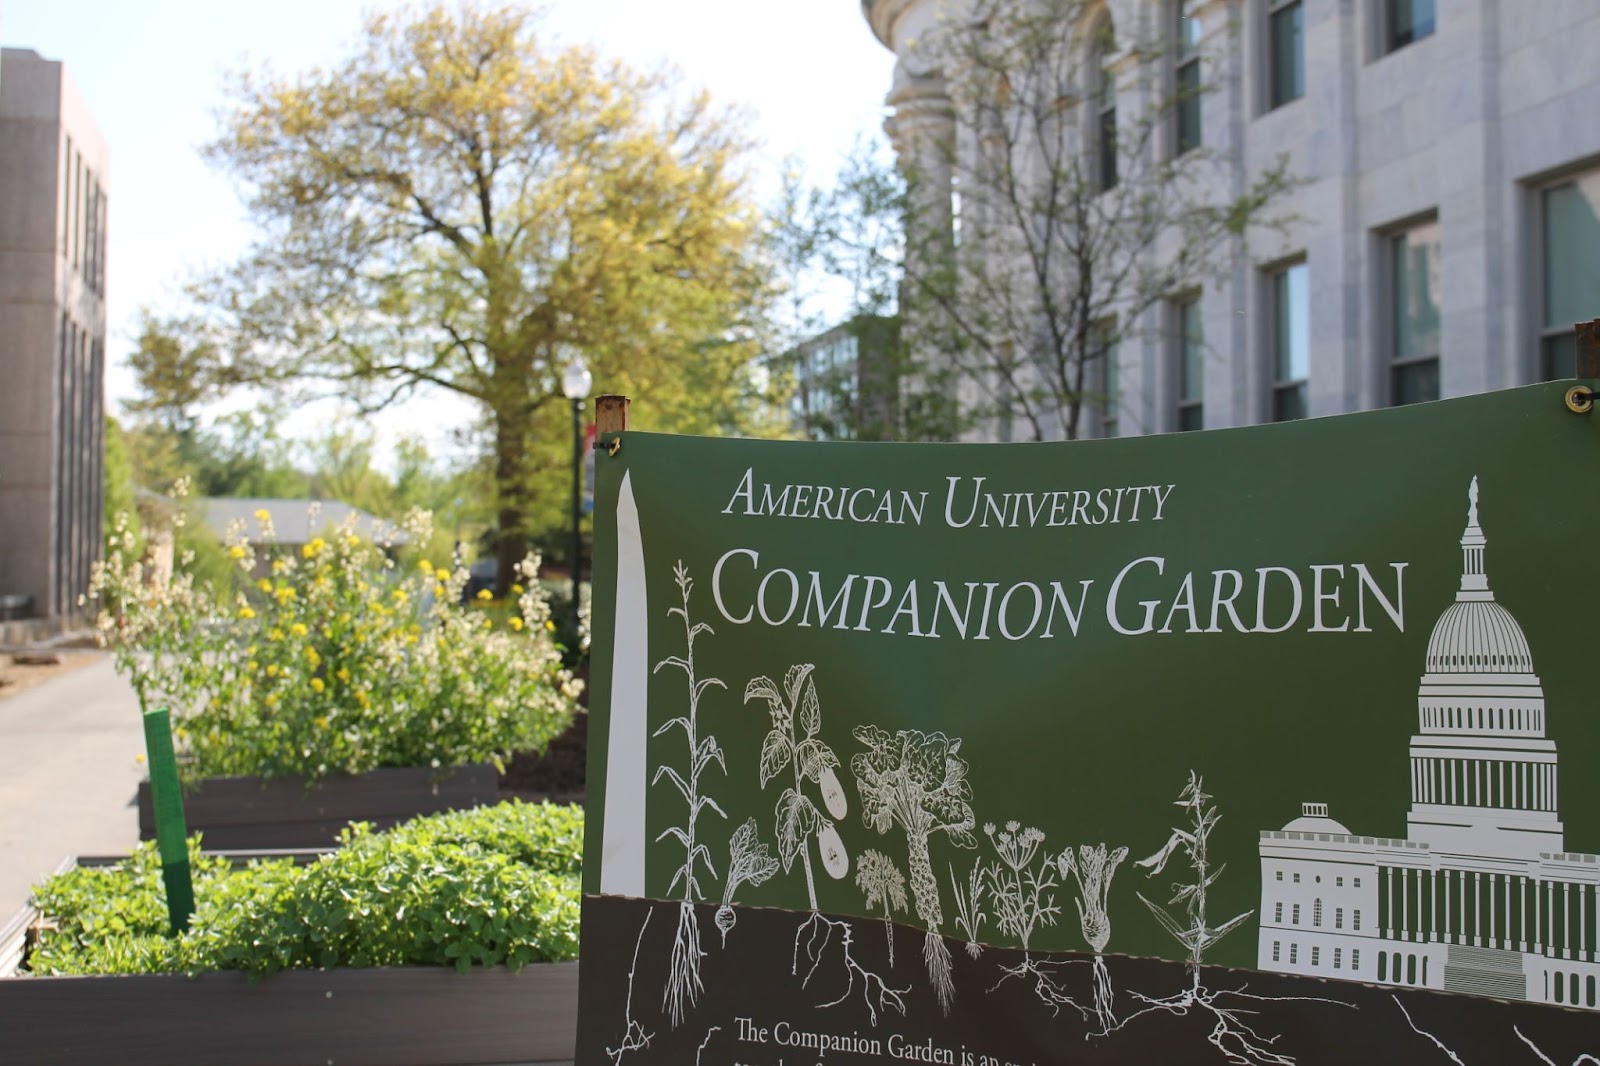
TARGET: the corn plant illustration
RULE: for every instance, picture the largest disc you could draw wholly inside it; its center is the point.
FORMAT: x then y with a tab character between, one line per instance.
749	862
1230	1033
1093	867
810	759
683	981
1022	899
918	781
884	886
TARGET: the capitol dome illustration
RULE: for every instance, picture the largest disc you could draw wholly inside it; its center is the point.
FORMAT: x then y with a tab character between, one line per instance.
1481	896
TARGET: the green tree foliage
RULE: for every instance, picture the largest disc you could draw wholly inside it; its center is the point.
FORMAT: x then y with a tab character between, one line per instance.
121	491
457	206
176	374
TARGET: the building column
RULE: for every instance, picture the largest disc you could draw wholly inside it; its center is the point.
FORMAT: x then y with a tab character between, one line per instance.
923	132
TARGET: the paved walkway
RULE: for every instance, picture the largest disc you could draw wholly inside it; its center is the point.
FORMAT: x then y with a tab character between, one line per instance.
67	775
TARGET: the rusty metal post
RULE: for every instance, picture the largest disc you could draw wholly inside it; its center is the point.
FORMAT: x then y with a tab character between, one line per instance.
1588	349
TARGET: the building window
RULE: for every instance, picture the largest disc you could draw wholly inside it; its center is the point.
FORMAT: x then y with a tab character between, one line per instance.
1191	372
1186	79
1275	946
1336	953
1355	916
1105	140
1286	72
1297	879
1280	875
1339	881
1109	352
1294	915
1355	959
1316	952
1316	913
1414	315
1338	917
1406	21
1277	912
1294	950
1570	215
1291	342
1358	884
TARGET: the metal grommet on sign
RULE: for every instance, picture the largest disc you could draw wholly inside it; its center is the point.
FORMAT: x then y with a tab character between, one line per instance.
1580	399
614	446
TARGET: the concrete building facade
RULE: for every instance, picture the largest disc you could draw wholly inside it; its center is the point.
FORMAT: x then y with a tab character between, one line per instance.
1445	230
54	168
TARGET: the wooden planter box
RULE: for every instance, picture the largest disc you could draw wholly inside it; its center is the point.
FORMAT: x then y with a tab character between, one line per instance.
395	1016
244	813
401	1016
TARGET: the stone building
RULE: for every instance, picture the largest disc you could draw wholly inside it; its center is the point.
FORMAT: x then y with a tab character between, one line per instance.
53	208
1481	896
1445	233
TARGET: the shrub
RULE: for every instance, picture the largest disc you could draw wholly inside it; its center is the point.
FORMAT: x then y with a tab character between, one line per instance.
496	885
334	659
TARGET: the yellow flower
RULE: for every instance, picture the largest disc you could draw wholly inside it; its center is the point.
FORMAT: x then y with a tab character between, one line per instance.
362	697
399	596
272	669
425	566
247	613
298	629
263	515
264	585
517	590
550	624
318	686
485	594
313	657
275	633
515	623
271	701
441	574
320	722
236	552
310	550
488	623
343	674
438	590
253	666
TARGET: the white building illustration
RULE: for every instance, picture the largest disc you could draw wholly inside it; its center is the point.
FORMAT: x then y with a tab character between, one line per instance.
1481	897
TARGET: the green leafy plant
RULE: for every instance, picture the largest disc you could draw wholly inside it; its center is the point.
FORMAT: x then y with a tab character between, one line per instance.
334	659
493	886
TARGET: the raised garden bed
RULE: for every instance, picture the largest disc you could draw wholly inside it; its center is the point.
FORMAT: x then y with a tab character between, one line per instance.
400	987
249	813
395	1016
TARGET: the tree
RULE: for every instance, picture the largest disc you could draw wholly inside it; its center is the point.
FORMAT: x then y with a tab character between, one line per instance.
837	246
455	206
176	372
1059	210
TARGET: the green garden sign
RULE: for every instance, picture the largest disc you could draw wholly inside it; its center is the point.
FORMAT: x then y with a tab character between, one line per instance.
1269	745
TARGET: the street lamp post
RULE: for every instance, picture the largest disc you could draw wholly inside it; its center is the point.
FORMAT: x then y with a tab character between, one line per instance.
575	384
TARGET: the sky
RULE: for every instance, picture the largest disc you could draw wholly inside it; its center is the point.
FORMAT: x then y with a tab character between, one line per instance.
811	76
